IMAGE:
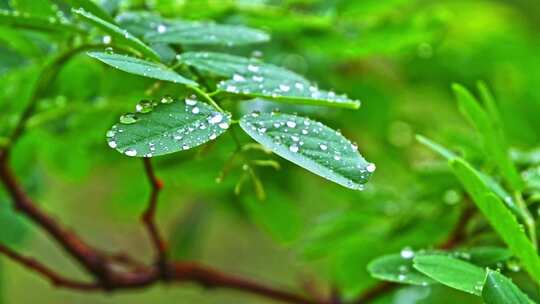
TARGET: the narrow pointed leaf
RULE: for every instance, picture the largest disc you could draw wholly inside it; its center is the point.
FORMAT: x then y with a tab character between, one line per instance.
488	127
488	180
500	218
93	8
121	35
253	78
167	128
311	145
200	33
20	20
395	268
499	289
141	67
452	272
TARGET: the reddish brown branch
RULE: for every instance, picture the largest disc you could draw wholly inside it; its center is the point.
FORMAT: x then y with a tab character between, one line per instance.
83	253
148	217
55	278
100	265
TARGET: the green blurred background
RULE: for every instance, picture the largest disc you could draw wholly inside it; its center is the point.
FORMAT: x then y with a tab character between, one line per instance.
398	56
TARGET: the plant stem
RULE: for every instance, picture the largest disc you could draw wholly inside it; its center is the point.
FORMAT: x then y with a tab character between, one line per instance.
207	97
527	218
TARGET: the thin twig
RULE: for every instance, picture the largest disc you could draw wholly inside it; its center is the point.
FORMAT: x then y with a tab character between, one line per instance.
148	217
55	278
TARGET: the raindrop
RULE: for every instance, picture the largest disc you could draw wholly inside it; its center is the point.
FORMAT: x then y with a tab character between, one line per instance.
224	125
323	147
253	68
167	99
110	133
291	124
161	28
112	144
213	136
128	118
106	39
195	110
371	167
407	253
216	118
337	157
130	152
238	78
257	78
293	148
191	102
144	106
295	138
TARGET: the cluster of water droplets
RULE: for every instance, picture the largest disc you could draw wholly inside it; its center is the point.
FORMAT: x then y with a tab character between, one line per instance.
314	141
275	82
191	124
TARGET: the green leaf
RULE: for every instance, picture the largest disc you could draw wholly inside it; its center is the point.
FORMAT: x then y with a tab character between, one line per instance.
435	147
498	289
492	183
395	268
141	67
311	145
500	218
91	7
202	33
253	78
118	34
451	272
166	127
488	256
20	20
489	128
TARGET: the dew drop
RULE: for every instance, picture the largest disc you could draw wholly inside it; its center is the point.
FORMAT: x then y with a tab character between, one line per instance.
253	68
284	87
112	144
238	78
195	110
216	118
128	119
323	147
407	253
190	102
144	106
167	99
106	39
293	148
371	167
161	28
130	152
224	125
110	133
291	124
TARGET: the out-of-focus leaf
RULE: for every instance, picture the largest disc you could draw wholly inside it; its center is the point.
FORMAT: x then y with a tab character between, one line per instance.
277	215
20	20
141	67
91	7
488	256
452	272
500	218
311	145
199	33
498	289
167	127
251	77
395	268
491	183
121	35
490	131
